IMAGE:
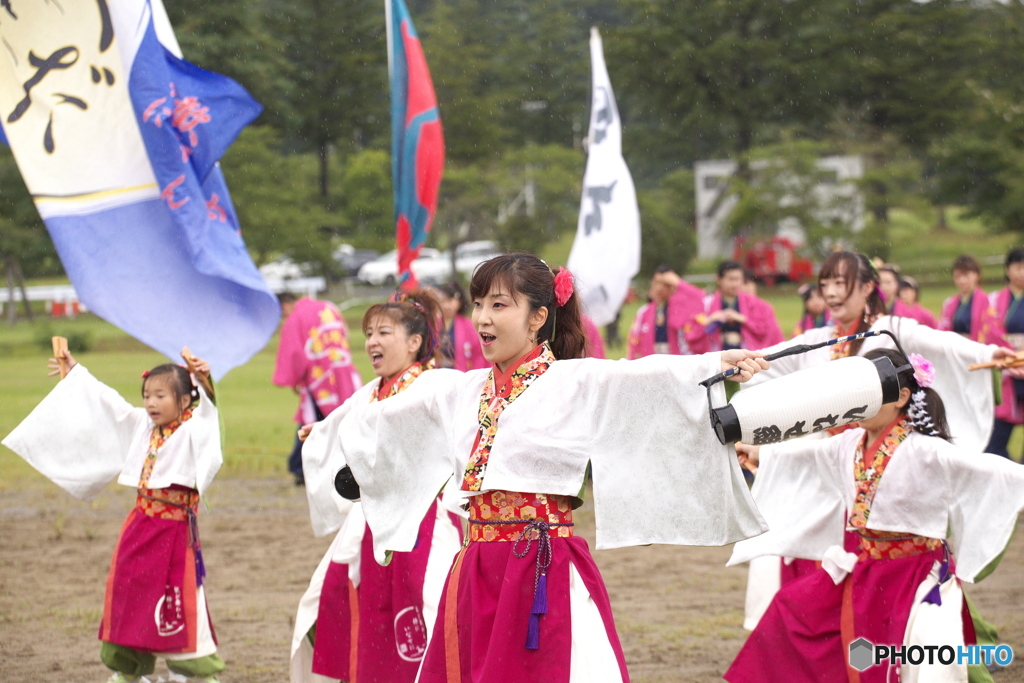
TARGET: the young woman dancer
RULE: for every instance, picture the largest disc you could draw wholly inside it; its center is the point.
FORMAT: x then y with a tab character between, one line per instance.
923	514
84	435
849	284
359	620
524	599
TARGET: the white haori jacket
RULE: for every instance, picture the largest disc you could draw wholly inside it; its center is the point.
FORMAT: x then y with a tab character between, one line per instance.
321	461
84	434
967	395
805	489
660	474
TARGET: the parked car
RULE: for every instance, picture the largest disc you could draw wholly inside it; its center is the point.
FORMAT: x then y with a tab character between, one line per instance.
350	259
384	269
284	268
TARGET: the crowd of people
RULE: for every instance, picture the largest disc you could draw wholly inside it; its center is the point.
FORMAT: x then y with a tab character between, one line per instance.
450	479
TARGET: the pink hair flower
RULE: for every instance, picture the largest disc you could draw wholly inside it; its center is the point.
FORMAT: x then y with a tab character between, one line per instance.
924	371
563	286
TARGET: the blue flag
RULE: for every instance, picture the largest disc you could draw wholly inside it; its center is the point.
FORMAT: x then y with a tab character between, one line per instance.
118	140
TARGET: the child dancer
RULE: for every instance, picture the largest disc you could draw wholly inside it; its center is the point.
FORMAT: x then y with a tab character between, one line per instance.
815	311
926	514
359	620
82	436
524	600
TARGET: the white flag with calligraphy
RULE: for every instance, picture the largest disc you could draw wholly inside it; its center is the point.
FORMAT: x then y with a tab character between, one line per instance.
605	255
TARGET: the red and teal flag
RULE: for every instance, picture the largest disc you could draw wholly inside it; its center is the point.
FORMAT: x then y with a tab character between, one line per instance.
417	143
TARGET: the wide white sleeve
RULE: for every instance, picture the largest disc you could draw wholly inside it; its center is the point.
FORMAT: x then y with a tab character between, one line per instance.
799	490
321	460
967	395
79	435
986	494
204	434
400	452
660	473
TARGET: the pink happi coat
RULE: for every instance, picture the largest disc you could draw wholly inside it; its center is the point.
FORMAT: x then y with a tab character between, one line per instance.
467	354
916	312
986	327
1009	410
314	356
596	343
760	330
683	306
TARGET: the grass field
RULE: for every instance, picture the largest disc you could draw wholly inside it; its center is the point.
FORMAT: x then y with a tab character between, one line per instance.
257	415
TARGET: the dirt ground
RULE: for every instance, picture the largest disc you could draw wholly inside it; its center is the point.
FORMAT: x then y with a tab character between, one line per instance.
678	610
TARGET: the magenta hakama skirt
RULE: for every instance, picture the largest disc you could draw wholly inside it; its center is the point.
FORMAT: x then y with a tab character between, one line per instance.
805	633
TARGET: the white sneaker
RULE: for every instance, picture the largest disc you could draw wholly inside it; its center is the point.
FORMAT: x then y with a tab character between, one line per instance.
118	677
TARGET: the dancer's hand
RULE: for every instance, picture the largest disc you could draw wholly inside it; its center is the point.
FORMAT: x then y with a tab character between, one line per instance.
53	364
749	362
748	456
304	431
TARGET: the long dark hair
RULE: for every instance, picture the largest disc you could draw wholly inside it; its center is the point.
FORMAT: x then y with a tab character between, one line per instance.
931	402
418	313
177	378
857	270
526	275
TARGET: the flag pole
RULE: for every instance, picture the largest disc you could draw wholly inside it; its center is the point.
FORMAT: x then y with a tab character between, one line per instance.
387	22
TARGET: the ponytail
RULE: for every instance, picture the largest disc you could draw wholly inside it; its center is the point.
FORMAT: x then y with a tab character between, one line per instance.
925	410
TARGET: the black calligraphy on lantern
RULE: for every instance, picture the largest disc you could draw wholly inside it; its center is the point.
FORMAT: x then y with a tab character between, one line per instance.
822	423
796	430
855	414
767	434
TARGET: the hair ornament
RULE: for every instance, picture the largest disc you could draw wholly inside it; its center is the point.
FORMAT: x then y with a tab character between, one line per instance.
563	286
924	371
920	420
145	374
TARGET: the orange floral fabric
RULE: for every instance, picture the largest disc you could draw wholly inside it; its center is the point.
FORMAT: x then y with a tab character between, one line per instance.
494	400
869	464
157	439
885	545
390	388
503	506
169	503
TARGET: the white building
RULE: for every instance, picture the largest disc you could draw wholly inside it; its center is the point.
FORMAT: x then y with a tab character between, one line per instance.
714	203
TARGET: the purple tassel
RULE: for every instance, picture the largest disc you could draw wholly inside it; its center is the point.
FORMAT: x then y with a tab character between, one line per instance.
933	597
540	606
533	633
540	595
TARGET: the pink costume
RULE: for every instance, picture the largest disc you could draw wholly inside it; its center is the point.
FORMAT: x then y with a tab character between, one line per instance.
1009	410
314	356
595	348
985	326
683	306
761	329
467	353
916	312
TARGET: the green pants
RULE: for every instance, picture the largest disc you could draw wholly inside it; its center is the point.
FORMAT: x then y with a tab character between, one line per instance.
134	663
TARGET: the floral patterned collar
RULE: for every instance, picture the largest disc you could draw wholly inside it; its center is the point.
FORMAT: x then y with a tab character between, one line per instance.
843	350
869	464
400	382
500	389
157	438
